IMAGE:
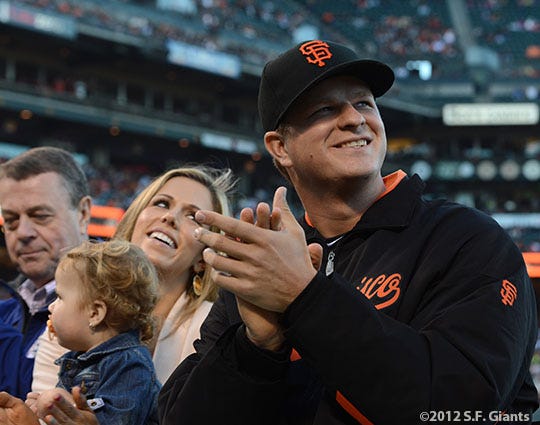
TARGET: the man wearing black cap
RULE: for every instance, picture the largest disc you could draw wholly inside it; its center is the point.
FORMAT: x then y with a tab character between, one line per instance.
397	310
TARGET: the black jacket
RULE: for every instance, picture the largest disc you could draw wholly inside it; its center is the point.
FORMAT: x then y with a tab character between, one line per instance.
427	307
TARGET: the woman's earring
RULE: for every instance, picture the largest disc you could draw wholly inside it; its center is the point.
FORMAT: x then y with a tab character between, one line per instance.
197	285
92	327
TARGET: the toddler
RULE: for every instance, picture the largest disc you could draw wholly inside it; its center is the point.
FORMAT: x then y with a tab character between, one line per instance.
103	314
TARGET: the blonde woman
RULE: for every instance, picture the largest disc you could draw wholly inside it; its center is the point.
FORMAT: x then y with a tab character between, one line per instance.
161	221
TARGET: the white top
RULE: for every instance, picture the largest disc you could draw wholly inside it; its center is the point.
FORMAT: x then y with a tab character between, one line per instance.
168	353
171	350
45	375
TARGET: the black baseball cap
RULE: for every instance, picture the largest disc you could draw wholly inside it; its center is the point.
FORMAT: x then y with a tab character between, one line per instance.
285	78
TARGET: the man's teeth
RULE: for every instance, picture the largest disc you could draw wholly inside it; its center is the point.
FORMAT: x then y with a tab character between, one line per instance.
355	144
163	238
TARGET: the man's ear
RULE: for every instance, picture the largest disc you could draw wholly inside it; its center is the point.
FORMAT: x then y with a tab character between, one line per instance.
276	146
85	206
97	312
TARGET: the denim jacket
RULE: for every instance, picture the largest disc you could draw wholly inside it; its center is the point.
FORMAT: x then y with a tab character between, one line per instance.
118	379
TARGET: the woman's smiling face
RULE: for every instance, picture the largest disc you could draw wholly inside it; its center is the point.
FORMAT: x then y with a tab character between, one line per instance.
164	228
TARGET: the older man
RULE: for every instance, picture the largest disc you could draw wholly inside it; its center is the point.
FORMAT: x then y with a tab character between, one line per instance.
45	202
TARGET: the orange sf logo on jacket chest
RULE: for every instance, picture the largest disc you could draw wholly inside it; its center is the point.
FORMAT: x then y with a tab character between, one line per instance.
382	290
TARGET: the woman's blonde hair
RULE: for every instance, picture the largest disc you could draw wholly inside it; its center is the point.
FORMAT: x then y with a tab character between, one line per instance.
119	274
219	183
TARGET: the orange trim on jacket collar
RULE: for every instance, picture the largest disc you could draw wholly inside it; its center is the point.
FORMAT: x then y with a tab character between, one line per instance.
390	182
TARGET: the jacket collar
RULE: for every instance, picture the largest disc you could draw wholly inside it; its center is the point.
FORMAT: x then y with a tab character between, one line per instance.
119	342
396	207
393	209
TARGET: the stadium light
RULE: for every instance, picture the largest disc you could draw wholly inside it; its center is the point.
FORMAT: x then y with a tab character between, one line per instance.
486	170
466	170
509	170
531	169
423	67
422	168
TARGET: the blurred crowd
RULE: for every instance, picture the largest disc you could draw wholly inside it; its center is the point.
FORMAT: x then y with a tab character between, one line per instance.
512	28
256	30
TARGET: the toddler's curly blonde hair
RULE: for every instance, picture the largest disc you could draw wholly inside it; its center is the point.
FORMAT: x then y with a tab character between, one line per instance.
119	274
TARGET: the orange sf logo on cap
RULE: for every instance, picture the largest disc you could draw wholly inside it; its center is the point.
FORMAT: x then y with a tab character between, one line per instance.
316	52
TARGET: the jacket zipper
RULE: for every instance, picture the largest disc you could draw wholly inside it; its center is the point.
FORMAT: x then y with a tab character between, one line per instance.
330	263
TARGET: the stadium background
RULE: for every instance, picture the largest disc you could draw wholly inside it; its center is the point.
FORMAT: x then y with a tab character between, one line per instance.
133	87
